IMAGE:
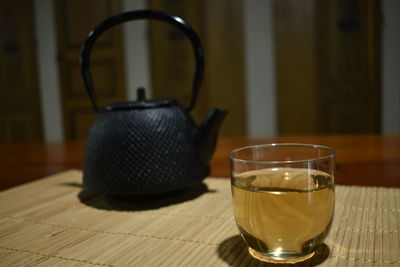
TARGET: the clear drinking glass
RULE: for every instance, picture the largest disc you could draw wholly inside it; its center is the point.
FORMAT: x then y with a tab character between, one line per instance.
283	199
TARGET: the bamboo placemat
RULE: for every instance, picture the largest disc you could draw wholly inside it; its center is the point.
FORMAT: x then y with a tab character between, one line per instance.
54	221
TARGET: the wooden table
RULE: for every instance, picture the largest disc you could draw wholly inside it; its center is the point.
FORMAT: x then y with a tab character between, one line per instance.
371	160
56	221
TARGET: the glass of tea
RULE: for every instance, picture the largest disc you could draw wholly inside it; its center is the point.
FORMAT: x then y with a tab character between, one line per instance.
283	199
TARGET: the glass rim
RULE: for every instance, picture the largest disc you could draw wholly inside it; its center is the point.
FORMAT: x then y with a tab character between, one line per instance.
270	162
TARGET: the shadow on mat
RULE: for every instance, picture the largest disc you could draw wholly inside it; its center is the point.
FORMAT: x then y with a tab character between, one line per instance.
135	203
234	252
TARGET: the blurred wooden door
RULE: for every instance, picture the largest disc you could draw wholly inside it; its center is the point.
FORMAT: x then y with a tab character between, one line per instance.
328	66
219	25
20	111
75	19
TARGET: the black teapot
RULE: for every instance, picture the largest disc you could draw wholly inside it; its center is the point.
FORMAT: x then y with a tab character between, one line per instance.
147	146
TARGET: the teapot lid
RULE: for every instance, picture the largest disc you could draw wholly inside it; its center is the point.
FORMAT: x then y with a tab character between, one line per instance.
140	103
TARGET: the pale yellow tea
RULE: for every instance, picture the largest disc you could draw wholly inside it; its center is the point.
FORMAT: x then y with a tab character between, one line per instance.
283	213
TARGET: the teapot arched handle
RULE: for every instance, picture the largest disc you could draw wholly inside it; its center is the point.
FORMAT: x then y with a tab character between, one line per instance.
135	15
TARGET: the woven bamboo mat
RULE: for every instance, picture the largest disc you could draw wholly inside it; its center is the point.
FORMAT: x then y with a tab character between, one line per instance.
54	221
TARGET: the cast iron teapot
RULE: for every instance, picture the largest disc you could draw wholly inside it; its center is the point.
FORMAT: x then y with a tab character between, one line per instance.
147	146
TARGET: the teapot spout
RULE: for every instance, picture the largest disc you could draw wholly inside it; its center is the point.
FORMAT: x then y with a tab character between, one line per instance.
206	135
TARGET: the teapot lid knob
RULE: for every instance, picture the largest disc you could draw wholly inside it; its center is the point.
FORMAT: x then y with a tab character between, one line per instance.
140	103
140	94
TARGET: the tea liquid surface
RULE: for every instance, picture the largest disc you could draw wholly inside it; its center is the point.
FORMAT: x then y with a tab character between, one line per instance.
283	212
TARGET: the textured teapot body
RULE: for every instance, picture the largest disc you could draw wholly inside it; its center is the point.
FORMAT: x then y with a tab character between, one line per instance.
142	151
